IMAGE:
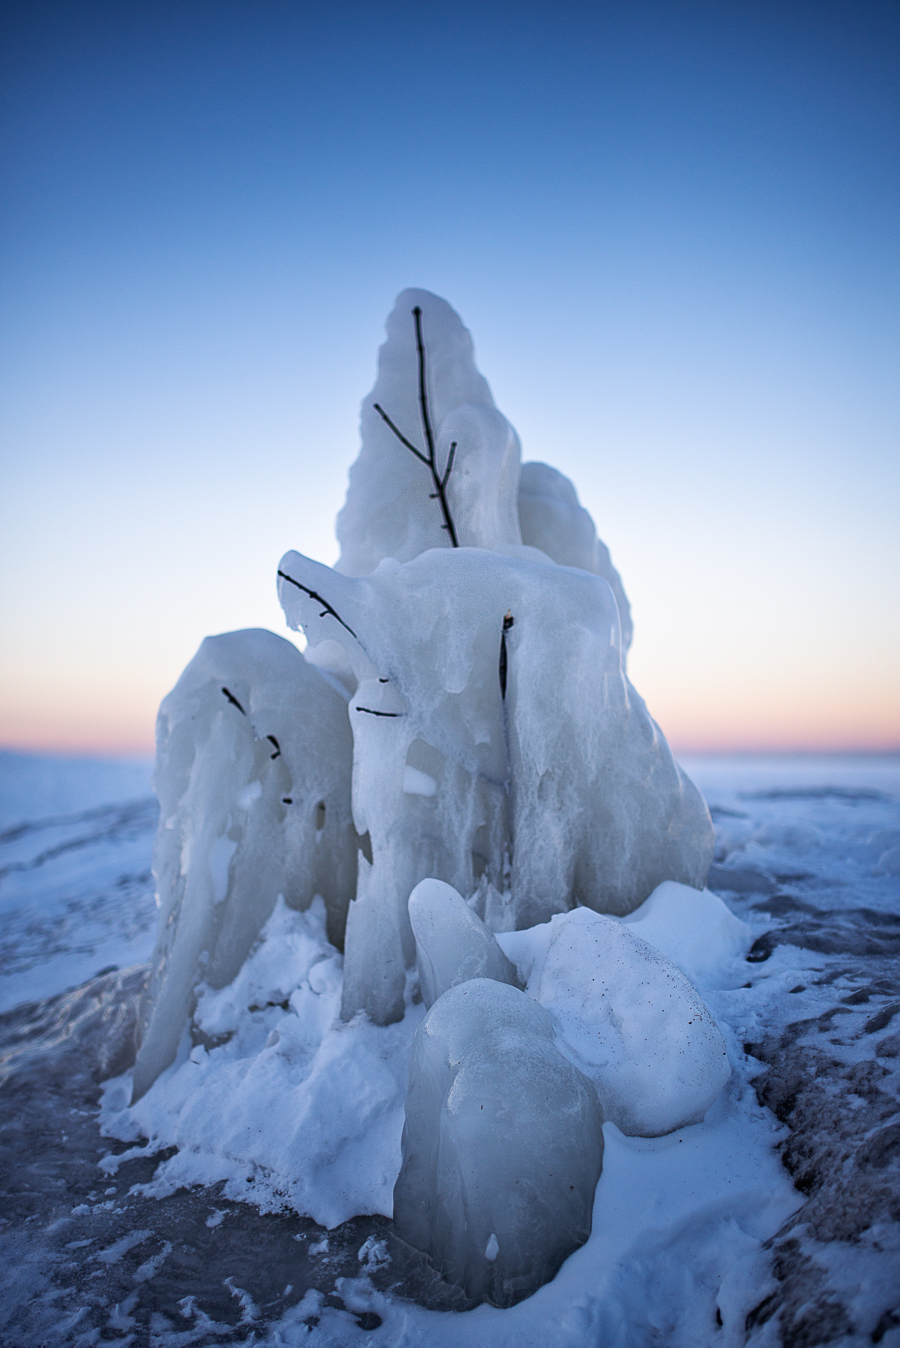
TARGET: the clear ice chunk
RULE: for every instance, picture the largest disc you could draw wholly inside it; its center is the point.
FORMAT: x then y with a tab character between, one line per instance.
253	766
638	1028
502	1144
452	943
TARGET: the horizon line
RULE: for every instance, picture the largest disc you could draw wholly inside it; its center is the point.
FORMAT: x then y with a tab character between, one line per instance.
133	752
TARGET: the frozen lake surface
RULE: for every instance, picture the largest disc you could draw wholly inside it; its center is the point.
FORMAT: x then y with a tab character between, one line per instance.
775	1221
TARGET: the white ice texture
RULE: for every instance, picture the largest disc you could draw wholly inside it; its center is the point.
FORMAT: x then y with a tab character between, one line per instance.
638	1028
388	512
502	1145
552	518
452	943
563	791
253	777
495	503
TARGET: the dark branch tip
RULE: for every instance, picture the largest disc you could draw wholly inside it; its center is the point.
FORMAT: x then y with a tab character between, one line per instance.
233	700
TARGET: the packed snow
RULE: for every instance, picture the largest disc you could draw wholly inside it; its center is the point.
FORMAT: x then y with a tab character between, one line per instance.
634	1024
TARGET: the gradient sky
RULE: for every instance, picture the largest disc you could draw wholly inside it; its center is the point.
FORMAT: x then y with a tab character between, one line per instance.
672	228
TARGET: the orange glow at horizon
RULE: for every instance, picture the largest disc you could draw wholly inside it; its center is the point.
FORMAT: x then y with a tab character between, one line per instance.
709	716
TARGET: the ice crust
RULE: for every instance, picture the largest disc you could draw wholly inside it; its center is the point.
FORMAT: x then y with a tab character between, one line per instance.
253	779
638	1028
502	1145
453	945
562	791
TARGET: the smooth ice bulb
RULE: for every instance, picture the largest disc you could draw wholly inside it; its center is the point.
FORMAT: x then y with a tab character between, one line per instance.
502	1145
452	943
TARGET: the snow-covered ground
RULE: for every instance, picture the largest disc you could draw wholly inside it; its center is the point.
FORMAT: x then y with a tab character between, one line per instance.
775	1221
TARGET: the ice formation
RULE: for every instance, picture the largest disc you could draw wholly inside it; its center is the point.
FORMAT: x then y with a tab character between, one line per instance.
496	737
502	1145
552	518
253	778
458	762
452	943
389	511
639	1029
495	502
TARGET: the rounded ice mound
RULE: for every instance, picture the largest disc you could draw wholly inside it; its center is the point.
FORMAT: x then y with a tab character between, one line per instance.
638	1028
502	1144
452	943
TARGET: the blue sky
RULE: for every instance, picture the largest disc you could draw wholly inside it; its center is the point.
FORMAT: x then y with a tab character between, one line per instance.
672	229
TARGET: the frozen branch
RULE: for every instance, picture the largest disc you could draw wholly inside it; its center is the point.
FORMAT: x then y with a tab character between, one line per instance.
440	480
508	621
326	607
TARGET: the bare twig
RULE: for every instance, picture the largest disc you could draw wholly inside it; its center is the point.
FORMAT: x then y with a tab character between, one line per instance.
440	480
380	713
508	621
423	389
450	457
399	434
234	702
326	607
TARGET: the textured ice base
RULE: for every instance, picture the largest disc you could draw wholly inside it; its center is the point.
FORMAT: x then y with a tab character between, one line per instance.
282	1101
271	1045
687	1228
502	1145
